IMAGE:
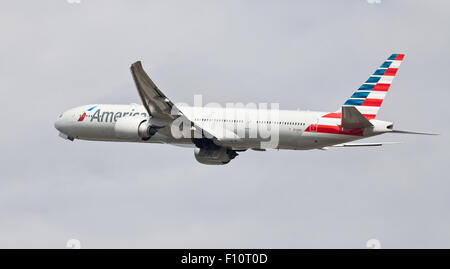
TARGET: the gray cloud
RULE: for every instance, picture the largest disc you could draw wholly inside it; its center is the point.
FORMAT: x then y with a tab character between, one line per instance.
311	55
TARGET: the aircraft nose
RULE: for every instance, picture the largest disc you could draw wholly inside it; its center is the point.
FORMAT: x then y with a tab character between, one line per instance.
60	125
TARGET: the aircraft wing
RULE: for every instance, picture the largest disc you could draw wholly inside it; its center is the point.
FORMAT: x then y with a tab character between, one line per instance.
159	107
156	103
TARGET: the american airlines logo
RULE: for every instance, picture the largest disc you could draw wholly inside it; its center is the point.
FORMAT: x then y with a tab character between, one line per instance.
82	117
84	114
109	116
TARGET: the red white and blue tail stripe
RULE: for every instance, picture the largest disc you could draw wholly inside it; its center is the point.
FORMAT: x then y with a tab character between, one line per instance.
369	97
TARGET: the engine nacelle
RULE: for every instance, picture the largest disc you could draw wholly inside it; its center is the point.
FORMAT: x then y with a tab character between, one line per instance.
216	156
134	128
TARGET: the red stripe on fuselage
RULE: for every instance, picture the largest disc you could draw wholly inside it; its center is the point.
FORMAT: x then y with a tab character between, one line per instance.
333	115
333	129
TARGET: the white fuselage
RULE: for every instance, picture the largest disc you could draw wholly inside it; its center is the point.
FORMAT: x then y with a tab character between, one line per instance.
241	128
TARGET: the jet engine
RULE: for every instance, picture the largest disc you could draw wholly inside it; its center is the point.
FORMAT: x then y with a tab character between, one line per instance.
134	128
214	156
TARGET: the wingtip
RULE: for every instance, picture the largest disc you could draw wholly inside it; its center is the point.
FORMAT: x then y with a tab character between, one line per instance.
137	64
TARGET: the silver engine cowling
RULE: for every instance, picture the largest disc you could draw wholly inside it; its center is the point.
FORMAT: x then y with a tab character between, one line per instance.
217	156
134	128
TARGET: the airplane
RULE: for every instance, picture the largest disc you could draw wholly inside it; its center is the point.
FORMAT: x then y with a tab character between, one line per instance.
217	134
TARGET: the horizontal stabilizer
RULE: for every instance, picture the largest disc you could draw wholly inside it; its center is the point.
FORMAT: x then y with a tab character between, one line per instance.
411	132
352	118
365	144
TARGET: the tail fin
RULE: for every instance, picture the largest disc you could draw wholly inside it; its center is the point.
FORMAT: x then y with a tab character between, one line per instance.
368	98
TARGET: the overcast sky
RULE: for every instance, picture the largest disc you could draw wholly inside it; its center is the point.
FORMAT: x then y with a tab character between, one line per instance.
301	54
